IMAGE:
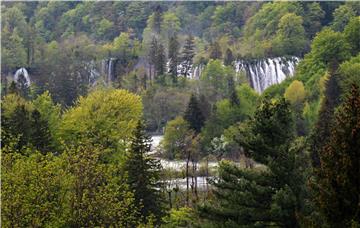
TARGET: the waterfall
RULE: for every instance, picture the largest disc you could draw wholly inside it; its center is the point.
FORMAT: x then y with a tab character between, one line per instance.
193	73
107	69
22	72
93	72
263	73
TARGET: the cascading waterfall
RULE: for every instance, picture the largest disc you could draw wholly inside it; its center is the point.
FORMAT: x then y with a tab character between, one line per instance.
261	73
108	69
194	72
22	72
266	72
93	72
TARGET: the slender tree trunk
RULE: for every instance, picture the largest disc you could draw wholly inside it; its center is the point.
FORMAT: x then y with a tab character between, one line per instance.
170	203
195	177
207	173
187	179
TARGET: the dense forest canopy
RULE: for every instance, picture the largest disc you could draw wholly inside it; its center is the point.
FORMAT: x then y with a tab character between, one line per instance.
257	105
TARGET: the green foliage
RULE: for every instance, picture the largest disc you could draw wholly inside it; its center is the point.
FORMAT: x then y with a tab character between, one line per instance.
162	105
342	15
351	33
182	217
105	117
104	26
349	73
23	122
295	93
330	47
263	197
336	179
193	114
215	80
261	28
313	19
49	111
32	190
174	137
290	36
143	174
97	195
12	51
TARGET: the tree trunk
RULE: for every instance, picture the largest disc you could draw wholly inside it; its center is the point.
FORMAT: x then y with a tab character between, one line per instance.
195	177
170	203
187	179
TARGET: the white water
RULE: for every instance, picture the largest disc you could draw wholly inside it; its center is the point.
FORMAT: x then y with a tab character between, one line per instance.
22	72
266	72
181	183
261	73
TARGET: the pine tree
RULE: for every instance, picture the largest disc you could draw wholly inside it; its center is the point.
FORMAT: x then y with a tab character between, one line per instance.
153	56
246	197
194	115
160	61
18	125
40	135
23	87
157	19
337	179
173	57
322	129
188	55
215	51
229	58
144	174
234	100
13	88
157	57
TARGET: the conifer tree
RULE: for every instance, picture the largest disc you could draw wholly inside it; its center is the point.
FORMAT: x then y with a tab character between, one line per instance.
229	58
18	125
245	197
234	100
215	51
173	57
40	135
193	114
188	54
322	129
337	179
160	61
143	174
157	57
152	57
157	19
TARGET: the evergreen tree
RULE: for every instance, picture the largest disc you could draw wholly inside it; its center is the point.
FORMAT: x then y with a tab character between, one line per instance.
153	56
13	88
337	179
173	57
18	126
157	57
40	135
321	133
144	174
188	54
215	51
23	87
234	100
160	60
194	115
245	197
229	58
157	19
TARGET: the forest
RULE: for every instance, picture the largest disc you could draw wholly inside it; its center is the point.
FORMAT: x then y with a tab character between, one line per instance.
180	114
